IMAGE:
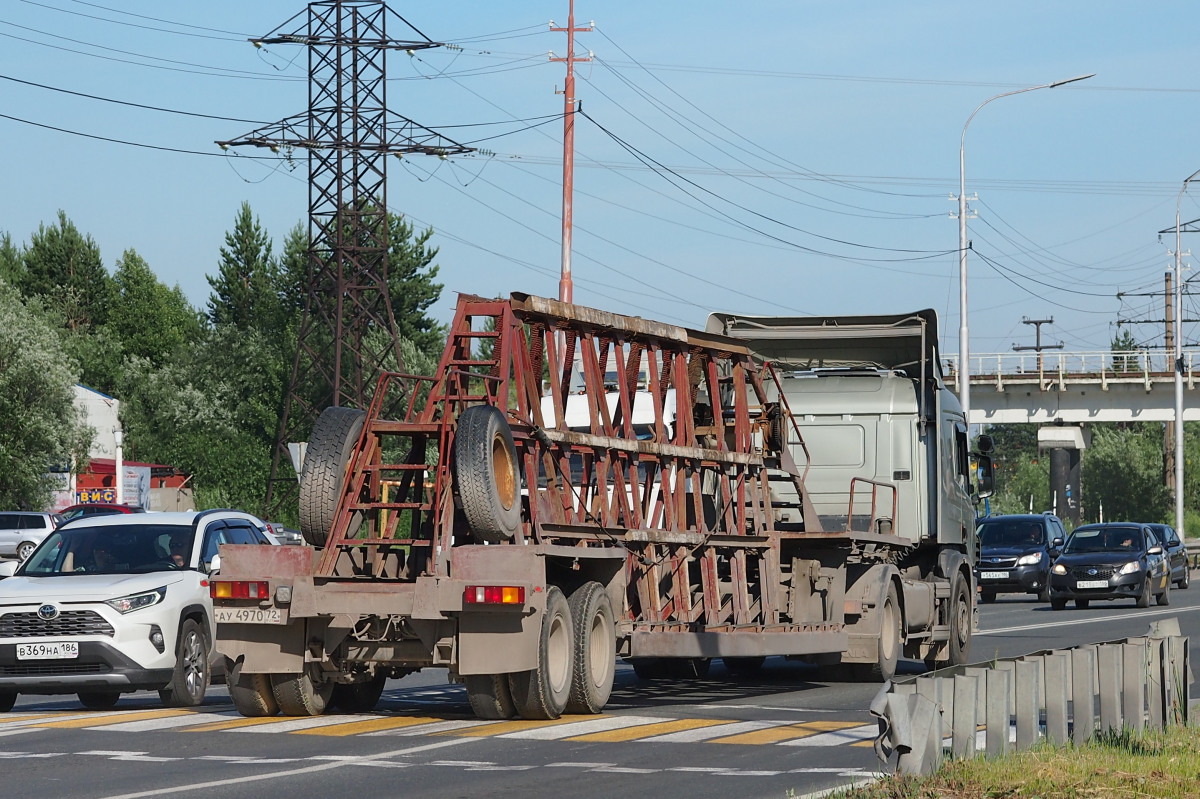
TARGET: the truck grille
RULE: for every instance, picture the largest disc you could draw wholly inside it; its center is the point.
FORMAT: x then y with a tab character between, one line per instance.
1101	572
69	622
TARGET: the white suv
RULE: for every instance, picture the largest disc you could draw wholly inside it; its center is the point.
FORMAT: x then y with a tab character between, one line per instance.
112	604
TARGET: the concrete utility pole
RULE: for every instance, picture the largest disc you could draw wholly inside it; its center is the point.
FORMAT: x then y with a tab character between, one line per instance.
1039	346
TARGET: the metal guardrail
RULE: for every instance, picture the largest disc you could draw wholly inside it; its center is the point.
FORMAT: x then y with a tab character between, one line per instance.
1056	695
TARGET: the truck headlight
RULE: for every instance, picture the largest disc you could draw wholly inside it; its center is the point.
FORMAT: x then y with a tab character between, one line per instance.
1130	568
1030	559
128	604
1058	568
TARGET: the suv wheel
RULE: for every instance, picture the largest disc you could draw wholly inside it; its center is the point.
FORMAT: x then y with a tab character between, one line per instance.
191	677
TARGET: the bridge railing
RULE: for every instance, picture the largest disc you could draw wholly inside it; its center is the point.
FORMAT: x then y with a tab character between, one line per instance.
1102	364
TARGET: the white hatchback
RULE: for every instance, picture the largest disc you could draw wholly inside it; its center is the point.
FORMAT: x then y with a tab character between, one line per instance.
112	604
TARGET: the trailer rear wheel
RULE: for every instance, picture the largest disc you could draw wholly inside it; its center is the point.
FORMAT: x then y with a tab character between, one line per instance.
323	475
595	649
884	668
300	694
490	696
251	693
960	624
485	468
542	693
358	697
745	665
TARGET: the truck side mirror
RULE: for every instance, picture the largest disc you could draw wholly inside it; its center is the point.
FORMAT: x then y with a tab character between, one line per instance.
985	477
984	444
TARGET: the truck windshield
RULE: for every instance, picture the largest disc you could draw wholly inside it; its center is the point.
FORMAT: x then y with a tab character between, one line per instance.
112	549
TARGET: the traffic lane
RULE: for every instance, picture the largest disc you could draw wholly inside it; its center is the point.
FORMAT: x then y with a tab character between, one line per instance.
1014	627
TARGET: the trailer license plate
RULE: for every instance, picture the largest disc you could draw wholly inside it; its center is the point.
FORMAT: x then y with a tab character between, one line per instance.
53	650
248	615
1092	584
993	575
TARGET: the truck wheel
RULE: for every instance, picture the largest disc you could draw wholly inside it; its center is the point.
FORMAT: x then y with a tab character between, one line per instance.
744	666
300	695
324	472
485	468
358	697
884	668
649	668
251	693
7	700
191	677
960	625
689	668
99	700
542	693
595	649
490	696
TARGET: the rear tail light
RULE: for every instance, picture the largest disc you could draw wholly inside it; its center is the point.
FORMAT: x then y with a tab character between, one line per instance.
239	589
494	595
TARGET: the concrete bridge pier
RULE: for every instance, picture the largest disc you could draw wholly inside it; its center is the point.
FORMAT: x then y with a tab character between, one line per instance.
1065	444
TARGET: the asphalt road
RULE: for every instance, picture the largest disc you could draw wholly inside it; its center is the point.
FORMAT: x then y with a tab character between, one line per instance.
783	733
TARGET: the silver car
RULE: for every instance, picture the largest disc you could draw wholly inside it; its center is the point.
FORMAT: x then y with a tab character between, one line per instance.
21	531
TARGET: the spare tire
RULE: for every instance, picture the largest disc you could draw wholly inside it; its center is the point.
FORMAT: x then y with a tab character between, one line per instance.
324	473
485	469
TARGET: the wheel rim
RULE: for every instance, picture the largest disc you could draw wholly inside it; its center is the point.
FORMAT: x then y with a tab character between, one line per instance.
24	551
889	640
963	620
194	665
558	655
505	474
599	637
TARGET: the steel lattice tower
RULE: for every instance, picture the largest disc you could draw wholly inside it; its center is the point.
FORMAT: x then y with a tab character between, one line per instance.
348	328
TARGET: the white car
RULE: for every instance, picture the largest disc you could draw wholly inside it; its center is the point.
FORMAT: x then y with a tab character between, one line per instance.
112	604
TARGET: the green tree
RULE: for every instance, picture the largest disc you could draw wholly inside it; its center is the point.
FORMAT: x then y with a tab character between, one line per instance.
1122	343
150	320
41	424
12	269
245	289
63	267
1122	471
411	274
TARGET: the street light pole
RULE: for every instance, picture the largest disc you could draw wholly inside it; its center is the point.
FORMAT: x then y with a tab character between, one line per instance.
964	349
1177	302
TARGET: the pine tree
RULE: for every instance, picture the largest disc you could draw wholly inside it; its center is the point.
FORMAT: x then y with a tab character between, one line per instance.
244	290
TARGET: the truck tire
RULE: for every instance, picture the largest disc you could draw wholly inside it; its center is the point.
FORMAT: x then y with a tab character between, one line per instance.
595	649
542	692
251	693
300	695
649	668
324	472
192	670
485	469
888	645
358	697
490	696
959	645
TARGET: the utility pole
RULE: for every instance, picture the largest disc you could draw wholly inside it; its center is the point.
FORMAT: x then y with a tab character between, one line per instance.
348	133
565	283
1039	346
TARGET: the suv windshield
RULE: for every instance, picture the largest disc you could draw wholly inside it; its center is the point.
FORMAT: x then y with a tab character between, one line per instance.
115	549
1012	533
1109	539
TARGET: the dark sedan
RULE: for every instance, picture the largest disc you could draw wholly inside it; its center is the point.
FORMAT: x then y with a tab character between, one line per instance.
1176	553
1114	560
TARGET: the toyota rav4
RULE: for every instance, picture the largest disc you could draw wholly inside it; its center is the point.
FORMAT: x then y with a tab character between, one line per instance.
112	604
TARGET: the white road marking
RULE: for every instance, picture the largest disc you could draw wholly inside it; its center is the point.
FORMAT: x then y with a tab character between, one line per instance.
717	731
431	729
1147	614
291	725
167	722
556	731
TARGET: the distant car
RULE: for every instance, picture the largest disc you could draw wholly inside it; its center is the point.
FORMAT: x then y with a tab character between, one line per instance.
1176	553
285	535
1015	553
97	509
1113	560
21	531
117	603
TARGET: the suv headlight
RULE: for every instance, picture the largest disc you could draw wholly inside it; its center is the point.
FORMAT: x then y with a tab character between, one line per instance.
1130	568
1058	568
1030	559
128	604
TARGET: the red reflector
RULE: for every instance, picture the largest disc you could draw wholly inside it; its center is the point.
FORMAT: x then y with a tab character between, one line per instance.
494	595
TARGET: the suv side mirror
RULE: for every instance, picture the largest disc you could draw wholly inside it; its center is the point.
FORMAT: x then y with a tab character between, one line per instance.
1057	543
214	565
8	568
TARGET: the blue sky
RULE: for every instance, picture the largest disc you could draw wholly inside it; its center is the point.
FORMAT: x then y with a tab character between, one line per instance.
810	150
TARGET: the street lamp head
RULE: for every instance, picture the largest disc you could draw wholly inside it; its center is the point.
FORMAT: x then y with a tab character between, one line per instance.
1058	83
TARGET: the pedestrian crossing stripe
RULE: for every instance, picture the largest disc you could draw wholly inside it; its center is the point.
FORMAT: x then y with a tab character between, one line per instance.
600	728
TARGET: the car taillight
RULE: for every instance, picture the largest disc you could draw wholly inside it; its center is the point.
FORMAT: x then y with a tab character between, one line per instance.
239	589
494	595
